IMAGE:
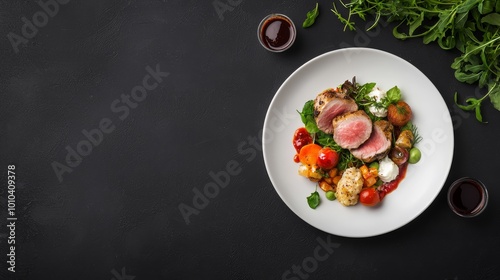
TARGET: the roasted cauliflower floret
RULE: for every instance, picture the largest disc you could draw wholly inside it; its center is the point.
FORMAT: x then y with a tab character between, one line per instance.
349	186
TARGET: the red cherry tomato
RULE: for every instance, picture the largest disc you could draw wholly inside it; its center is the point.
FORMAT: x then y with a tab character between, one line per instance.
369	197
296	158
327	158
301	137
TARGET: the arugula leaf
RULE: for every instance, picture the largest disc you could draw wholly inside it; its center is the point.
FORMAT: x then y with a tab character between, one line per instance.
346	21
486	7
363	91
416	23
474	104
493	19
495	97
326	140
313	200
461	19
311	17
346	160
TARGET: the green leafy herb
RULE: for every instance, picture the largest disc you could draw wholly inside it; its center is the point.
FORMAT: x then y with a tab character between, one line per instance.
346	160
311	17
313	200
326	140
469	26
307	117
365	89
346	21
493	19
474	104
393	96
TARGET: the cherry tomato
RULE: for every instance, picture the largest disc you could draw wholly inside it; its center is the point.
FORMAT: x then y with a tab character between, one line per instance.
327	158
301	137
369	197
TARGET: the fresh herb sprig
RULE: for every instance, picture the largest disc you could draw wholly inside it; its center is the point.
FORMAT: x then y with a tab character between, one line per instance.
307	117
393	95
313	200
311	17
474	104
470	26
414	130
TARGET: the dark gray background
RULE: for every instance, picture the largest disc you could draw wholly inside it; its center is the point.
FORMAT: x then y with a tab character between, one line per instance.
116	214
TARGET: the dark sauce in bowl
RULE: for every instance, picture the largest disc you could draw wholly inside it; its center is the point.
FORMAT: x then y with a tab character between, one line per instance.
276	32
467	197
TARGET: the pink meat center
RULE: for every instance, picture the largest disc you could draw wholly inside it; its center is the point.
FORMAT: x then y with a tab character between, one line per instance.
353	132
375	143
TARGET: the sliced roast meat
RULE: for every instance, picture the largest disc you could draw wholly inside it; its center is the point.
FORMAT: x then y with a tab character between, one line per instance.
350	130
378	145
330	104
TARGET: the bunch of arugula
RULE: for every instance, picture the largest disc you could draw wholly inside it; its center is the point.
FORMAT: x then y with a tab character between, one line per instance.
470	26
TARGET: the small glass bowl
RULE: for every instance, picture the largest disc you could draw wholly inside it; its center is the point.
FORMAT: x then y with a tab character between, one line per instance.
266	22
467	197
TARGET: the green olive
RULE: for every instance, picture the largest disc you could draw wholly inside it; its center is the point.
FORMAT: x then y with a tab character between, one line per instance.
415	155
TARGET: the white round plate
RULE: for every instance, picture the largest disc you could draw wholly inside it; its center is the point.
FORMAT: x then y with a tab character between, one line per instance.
423	180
